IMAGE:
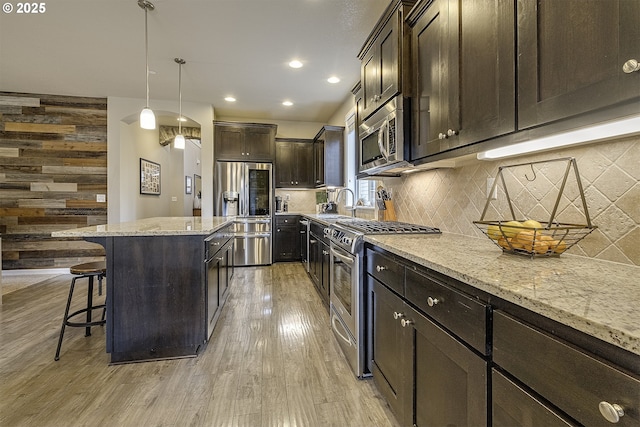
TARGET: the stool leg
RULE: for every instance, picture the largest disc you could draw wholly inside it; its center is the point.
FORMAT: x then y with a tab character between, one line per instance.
104	310
89	305
65	318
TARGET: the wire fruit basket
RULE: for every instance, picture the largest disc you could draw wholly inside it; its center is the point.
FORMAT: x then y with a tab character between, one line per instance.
516	232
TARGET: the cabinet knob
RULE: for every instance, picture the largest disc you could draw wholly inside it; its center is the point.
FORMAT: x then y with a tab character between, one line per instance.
451	132
631	66
611	412
442	136
380	268
325	252
376	97
406	322
432	301
397	315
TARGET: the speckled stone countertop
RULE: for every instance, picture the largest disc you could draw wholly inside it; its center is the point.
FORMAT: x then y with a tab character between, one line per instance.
599	298
160	226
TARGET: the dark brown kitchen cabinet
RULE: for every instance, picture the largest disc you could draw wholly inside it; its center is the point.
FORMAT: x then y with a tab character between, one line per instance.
426	375
571	55
390	349
319	261
294	163
384	58
579	385
244	141
329	157
463	73
287	238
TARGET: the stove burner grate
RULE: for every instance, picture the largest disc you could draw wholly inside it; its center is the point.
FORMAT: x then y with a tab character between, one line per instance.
387	227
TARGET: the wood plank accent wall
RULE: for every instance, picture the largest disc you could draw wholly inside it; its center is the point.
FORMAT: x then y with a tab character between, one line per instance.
53	163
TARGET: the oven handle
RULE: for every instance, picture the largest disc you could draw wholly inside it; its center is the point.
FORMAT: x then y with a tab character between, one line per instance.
334	319
383	139
344	258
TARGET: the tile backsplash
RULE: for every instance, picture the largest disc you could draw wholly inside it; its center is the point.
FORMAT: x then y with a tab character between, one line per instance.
452	199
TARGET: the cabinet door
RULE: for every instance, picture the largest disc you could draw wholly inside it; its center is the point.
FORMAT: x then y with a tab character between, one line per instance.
285	163
318	162
571	54
431	80
370	81
229	143
287	239
303	165
259	143
389	348
449	380
325	283
388	62
315	260
464	75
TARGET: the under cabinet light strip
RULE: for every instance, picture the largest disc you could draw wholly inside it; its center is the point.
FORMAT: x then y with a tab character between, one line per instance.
626	126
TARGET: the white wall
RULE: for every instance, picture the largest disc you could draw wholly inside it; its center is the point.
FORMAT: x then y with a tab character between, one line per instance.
127	143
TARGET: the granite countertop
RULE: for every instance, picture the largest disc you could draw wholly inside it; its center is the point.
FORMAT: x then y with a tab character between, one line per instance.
160	226
599	298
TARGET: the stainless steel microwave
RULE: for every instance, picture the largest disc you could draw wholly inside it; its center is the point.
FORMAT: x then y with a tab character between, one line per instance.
384	139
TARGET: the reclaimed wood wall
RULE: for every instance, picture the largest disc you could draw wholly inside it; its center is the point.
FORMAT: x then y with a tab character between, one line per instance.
53	164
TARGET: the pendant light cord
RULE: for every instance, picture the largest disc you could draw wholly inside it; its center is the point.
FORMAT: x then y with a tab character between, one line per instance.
180	97
146	52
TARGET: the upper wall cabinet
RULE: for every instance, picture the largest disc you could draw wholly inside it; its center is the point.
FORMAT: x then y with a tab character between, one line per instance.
463	74
385	58
328	157
244	141
294	163
572	55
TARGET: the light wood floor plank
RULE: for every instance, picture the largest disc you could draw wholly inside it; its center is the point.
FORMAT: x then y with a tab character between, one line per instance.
271	361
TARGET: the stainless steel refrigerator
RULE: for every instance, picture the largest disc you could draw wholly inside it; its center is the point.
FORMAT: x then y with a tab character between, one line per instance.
245	191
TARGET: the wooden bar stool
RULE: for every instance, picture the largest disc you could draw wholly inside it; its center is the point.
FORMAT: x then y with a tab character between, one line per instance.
89	270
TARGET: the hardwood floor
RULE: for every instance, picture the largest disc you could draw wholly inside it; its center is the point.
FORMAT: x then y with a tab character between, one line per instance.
272	361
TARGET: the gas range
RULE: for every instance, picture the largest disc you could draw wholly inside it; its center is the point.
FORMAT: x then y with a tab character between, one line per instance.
349	233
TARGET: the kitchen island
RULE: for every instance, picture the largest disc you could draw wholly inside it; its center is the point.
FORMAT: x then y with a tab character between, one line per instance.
156	285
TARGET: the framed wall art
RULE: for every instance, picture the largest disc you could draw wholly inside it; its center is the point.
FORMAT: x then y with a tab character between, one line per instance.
149	177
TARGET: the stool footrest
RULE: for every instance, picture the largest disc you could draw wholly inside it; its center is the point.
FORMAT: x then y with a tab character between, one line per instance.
85	324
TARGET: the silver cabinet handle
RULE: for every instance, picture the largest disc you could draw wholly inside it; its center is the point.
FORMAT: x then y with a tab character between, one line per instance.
397	315
380	268
432	301
611	412
631	66
451	132
406	322
442	136
313	241
325	252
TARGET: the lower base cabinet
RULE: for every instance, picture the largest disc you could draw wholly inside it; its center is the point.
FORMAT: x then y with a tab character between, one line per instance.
427	376
319	261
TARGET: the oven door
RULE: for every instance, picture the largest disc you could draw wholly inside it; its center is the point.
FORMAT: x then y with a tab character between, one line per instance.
344	286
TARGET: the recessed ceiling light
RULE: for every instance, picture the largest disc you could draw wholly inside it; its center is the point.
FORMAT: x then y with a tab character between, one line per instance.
182	119
333	79
230	99
287	103
295	64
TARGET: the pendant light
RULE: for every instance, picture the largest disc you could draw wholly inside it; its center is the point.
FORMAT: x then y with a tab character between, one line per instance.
179	142
147	118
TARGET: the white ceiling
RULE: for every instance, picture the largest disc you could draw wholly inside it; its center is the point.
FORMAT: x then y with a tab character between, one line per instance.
231	47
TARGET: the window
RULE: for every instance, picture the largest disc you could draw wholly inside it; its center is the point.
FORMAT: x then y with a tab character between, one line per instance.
366	192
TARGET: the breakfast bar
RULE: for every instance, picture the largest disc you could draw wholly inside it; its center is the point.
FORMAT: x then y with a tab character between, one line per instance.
156	285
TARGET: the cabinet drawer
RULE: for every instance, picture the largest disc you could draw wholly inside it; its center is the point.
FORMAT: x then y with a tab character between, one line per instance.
386	270
572	380
512	406
464	316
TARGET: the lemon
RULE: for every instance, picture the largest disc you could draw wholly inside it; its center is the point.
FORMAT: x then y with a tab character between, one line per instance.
531	223
511	228
493	231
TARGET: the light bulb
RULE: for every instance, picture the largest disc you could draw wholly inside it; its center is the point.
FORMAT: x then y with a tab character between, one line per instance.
147	119
179	142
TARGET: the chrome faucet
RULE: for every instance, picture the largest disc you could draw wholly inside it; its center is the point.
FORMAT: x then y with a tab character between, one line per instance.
353	198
